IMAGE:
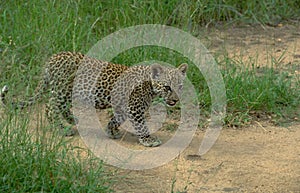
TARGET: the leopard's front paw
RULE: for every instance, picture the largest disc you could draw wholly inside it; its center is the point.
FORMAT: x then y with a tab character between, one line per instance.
114	133
150	141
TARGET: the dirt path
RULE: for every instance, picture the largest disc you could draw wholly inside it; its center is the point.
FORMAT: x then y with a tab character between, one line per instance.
259	158
256	45
255	159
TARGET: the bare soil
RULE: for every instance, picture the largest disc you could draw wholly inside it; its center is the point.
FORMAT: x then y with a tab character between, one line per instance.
253	159
258	158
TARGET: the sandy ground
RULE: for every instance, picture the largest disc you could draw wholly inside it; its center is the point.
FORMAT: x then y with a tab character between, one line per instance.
253	159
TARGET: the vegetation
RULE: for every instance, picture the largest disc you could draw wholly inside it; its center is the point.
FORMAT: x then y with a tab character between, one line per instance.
41	161
31	31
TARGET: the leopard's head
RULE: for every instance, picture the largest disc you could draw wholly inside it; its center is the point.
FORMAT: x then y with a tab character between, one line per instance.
168	82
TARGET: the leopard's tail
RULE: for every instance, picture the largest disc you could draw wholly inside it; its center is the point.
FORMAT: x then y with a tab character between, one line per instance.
22	104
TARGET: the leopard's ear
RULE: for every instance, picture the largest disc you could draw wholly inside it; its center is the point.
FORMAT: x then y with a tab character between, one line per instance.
156	71
183	68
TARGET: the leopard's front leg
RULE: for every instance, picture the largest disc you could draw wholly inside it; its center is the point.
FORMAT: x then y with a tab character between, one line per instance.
139	123
139	102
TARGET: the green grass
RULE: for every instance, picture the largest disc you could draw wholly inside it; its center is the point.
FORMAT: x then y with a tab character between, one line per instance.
37	160
31	31
260	93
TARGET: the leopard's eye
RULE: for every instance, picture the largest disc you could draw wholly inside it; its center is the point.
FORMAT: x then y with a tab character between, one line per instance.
168	88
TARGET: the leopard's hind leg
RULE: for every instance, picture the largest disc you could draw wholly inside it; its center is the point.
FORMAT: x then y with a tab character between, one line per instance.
56	108
112	129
